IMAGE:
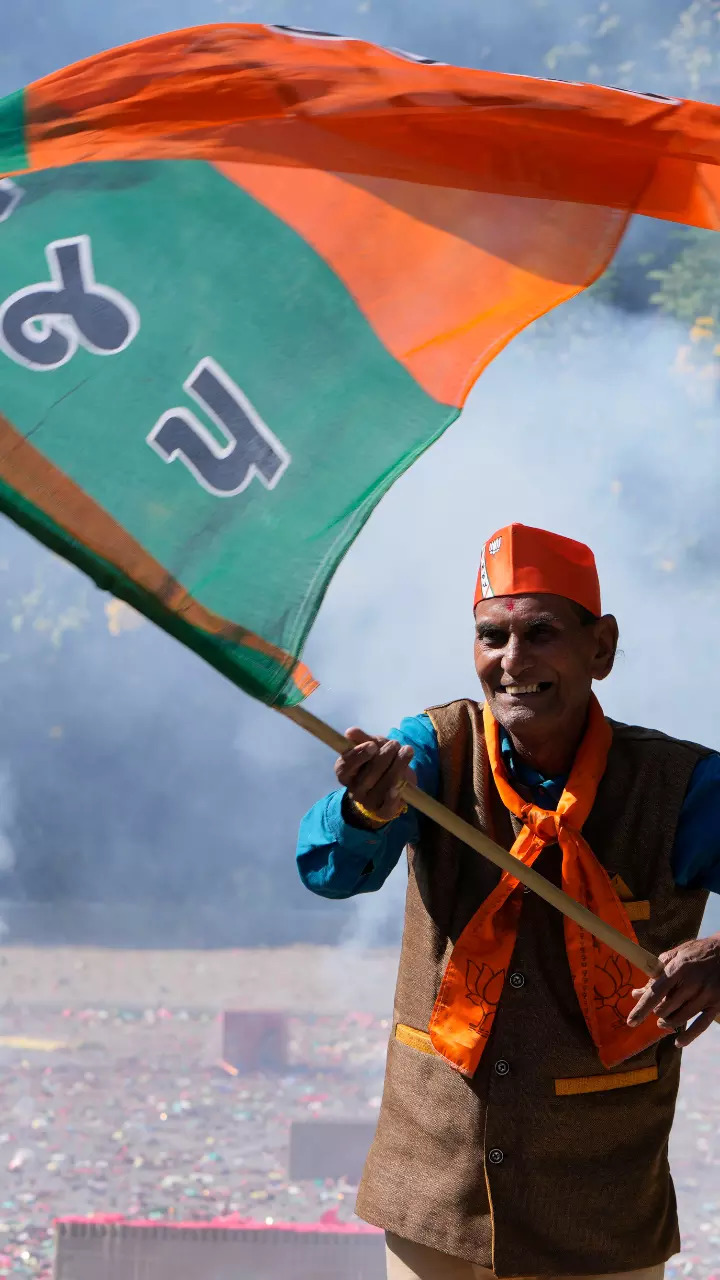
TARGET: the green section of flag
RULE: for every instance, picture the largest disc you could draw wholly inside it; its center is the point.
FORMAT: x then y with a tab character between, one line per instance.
252	671
13	155
219	283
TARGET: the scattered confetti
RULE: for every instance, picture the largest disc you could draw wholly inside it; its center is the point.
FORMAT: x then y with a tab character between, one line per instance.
138	1118
128	1111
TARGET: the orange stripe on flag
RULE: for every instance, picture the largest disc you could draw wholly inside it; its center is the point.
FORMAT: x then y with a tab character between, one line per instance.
246	93
43	485
456	205
446	278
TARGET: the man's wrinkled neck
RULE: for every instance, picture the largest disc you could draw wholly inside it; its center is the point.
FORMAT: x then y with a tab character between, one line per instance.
552	756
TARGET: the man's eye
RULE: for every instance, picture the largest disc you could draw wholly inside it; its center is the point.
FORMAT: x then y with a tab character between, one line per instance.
493	639
541	632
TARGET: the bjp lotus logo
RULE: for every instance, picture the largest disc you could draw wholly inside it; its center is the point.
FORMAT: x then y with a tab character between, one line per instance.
613	983
484	988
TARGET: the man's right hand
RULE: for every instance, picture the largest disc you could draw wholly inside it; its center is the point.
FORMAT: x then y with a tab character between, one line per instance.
373	771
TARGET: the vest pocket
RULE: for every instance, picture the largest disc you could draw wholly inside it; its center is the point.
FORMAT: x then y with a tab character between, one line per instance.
413	1038
601	1084
637	910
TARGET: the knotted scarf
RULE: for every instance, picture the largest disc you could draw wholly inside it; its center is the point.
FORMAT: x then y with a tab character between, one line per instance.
475	975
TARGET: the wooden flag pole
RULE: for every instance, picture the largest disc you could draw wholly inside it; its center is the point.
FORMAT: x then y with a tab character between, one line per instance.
632	951
637	955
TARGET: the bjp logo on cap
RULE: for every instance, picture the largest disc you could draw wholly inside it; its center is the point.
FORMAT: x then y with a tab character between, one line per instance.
518	561
484	583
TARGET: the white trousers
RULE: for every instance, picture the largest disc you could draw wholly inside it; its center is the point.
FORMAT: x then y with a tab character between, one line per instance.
408	1261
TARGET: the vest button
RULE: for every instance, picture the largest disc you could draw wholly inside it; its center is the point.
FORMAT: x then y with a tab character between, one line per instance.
496	1156
502	1067
517	980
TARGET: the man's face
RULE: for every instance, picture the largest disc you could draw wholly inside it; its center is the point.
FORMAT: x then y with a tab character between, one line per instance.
537	659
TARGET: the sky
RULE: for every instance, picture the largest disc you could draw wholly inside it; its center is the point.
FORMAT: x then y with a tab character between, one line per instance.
126	767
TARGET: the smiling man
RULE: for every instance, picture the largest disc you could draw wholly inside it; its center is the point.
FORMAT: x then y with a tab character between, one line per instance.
530	1086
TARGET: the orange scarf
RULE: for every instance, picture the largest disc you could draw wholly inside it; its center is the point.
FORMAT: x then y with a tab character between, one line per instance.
475	975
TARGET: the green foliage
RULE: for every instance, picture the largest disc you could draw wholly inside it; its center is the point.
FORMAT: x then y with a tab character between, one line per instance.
690	286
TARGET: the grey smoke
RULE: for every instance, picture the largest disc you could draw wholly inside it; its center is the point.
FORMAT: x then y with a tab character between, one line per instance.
601	446
139	774
7	818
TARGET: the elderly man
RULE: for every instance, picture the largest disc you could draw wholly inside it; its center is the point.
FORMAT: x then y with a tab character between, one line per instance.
532	1074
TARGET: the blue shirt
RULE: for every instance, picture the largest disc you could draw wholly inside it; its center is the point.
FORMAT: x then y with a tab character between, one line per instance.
337	860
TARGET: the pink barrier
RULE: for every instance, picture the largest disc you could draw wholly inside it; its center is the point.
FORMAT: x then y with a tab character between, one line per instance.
230	1222
110	1247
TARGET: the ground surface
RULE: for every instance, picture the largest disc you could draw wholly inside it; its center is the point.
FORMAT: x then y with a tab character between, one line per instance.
124	1109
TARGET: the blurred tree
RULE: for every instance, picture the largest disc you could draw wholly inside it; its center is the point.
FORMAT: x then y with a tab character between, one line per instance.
689	286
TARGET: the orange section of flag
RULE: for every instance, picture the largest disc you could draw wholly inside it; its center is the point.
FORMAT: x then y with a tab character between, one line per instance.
456	205
248	93
445	277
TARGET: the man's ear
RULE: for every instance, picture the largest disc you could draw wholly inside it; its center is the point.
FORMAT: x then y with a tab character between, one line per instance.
606	643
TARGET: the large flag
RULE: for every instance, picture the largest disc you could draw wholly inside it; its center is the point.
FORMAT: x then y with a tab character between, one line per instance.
248	274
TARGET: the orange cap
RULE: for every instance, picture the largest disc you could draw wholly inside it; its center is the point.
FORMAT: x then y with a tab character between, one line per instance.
520	561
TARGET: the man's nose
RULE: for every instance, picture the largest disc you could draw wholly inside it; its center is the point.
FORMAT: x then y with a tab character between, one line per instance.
515	659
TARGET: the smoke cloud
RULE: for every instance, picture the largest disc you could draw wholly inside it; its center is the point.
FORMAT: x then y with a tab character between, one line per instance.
593	437
7	817
135	774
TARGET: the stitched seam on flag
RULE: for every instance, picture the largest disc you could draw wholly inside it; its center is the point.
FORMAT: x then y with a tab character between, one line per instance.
413	1038
601	1084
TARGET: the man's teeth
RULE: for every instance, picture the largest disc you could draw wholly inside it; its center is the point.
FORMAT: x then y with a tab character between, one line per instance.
515	689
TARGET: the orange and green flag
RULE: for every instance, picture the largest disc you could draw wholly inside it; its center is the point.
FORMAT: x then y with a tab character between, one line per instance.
249	274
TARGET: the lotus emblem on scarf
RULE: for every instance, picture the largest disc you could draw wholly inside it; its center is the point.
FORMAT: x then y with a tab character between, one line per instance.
484	985
484	988
613	982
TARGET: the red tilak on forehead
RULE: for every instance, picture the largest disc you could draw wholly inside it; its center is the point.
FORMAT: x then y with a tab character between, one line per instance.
510	606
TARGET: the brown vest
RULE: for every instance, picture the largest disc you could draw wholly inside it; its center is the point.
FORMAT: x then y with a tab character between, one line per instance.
511	1170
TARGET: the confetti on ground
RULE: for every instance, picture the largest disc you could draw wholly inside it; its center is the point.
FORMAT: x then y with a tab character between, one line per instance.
27	1042
142	1120
130	1112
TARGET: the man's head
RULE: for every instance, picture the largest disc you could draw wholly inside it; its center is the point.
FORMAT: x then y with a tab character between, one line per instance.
541	638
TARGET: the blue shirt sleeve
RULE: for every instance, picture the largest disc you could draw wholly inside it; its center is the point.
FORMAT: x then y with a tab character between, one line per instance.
336	860
696	856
